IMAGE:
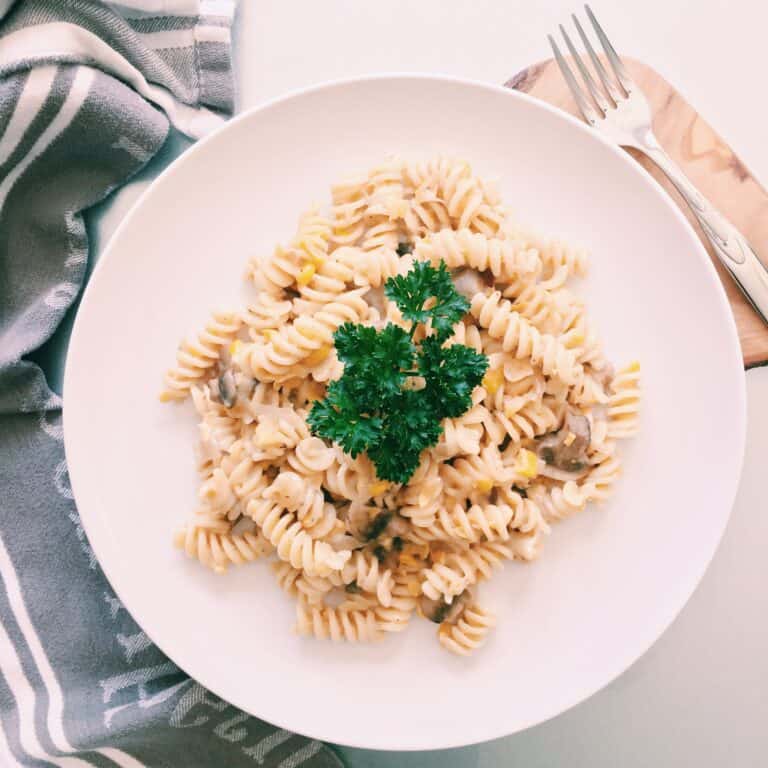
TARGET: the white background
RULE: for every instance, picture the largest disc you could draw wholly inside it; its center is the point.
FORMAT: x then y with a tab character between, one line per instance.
700	696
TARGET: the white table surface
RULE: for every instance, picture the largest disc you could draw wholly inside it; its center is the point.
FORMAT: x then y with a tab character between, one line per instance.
700	695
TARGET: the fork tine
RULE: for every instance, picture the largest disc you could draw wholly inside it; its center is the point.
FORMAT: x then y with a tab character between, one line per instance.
607	82
600	100
623	76
586	108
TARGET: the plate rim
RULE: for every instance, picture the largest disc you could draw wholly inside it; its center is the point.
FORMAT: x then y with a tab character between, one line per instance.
660	627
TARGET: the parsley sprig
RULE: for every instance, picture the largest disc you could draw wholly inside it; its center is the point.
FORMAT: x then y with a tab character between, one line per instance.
372	408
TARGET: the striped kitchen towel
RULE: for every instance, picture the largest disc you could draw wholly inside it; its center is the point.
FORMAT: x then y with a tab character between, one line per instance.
89	91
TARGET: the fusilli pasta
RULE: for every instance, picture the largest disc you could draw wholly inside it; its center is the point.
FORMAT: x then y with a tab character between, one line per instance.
359	555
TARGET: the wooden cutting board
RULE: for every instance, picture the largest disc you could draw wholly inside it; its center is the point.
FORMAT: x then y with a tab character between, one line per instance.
707	161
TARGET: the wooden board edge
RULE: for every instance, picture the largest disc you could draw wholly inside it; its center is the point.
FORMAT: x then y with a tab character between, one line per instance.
753	333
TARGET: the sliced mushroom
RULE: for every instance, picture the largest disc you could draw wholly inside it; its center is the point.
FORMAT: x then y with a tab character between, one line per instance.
566	449
378	525
561	475
245	385
387	552
358	519
398	526
328	496
440	611
227	388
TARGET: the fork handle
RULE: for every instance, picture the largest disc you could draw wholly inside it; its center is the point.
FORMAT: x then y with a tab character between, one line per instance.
731	247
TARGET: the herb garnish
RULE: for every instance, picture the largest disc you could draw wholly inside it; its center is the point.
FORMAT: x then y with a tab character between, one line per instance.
373	407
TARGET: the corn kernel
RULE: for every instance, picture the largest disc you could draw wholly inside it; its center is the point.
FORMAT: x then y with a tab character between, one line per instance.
376	489
306	274
577	339
165	397
343	231
484	484
234	347
527	463
268	333
633	367
313	258
569	438
318	355
493	380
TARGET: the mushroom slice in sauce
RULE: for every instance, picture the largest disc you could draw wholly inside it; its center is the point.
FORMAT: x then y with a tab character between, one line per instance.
227	388
378	525
566	449
358	517
440	611
398	526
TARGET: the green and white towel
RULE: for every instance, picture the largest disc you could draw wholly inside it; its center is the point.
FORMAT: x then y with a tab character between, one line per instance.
89	92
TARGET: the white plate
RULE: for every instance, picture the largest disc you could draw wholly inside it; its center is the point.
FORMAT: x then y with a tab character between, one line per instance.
609	581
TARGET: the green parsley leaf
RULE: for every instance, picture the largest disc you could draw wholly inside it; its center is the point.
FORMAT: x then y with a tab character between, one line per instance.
354	343
409	428
450	305
394	348
338	418
374	361
451	375
370	409
422	286
393	464
417	422
412	291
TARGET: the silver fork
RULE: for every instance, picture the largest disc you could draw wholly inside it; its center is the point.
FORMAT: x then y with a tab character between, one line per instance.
621	113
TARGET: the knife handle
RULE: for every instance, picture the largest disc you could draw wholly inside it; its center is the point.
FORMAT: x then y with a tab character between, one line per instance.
731	247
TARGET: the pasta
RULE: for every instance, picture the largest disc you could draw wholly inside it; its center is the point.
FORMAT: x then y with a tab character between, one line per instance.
347	622
359	555
195	359
468	633
218	550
